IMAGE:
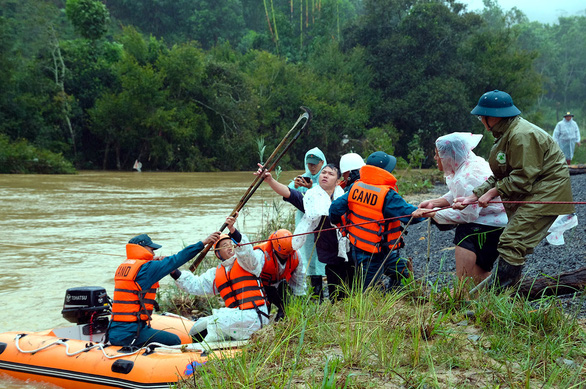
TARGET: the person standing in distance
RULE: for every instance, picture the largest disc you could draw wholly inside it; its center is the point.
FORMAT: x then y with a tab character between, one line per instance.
567	136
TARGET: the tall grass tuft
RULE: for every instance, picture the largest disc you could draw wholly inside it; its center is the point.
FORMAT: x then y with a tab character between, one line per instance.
413	338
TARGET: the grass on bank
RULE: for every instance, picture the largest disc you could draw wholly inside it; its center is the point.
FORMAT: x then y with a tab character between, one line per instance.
426	336
419	337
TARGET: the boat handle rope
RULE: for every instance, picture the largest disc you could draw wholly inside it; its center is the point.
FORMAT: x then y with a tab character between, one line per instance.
149	348
63	342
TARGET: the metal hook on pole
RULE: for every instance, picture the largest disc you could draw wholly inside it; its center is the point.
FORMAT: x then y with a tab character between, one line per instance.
271	162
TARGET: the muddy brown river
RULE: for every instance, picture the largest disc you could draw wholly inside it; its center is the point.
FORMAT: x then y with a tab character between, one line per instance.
63	231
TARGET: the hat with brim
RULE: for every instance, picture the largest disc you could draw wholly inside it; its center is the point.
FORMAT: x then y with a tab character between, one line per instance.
145	241
382	160
568	114
313	159
496	104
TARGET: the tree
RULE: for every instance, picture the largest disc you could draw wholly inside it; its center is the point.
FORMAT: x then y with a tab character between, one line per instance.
213	22
89	17
432	60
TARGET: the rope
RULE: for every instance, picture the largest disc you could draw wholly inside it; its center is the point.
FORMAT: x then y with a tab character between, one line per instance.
344	226
66	345
101	346
404	216
535	202
332	228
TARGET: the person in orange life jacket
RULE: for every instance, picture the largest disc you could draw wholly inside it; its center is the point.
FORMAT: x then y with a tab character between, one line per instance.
282	270
236	280
136	282
331	247
375	197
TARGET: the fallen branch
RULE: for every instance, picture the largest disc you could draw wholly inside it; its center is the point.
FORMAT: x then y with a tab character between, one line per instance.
564	283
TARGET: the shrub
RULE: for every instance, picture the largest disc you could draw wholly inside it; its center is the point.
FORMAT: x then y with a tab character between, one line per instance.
20	158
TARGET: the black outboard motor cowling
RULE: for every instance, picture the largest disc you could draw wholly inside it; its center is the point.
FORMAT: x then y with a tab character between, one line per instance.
85	303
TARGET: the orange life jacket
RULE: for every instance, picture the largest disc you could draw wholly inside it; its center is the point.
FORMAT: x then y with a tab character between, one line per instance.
270	271
239	288
365	203
131	303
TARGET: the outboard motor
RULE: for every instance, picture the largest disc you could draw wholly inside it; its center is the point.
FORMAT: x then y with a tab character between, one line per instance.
87	305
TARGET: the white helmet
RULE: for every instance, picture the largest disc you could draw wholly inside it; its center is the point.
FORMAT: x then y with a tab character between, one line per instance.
350	161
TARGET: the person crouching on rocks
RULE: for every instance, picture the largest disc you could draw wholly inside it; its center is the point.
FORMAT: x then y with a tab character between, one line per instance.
282	271
478	229
236	279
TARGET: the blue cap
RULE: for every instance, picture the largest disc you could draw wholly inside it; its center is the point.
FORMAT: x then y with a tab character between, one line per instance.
382	160
496	104
145	241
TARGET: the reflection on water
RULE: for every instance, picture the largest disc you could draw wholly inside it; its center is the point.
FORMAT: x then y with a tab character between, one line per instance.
63	231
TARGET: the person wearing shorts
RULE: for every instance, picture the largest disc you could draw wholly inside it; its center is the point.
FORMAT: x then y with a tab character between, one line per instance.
478	229
481	240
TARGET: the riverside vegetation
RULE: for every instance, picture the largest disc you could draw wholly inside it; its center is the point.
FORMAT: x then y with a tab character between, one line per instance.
191	85
430	334
424	336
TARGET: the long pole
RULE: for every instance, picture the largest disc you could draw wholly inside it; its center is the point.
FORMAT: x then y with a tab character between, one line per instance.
271	162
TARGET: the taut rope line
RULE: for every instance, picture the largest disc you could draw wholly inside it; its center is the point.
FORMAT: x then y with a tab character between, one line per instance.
331	228
430	211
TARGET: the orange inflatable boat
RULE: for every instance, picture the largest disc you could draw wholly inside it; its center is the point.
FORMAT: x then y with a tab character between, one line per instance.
76	357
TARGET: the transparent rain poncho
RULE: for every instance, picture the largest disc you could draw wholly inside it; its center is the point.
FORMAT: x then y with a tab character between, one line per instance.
464	171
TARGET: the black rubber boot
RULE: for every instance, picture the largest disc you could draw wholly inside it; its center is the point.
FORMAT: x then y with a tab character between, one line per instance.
507	275
317	285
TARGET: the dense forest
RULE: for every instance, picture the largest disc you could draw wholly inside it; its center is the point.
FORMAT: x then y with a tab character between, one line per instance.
198	85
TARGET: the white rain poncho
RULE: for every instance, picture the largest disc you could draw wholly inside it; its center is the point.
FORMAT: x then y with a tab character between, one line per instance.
567	134
317	204
307	252
561	224
464	171
225	323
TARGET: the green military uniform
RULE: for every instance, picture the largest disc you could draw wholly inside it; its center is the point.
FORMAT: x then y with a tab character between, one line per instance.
527	165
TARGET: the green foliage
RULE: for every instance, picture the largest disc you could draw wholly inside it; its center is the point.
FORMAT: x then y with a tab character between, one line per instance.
560	61
412	338
89	17
380	139
20	157
191	85
433	61
214	22
416	155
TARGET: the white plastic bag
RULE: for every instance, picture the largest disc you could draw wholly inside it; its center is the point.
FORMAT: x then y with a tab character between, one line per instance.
559	226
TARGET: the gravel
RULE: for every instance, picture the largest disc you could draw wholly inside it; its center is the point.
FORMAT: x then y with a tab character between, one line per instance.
546	260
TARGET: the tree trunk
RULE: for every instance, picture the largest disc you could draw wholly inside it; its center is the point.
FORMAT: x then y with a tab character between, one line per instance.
564	283
106	151
59	70
118	165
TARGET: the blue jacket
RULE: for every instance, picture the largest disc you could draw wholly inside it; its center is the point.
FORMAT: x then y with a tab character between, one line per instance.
149	274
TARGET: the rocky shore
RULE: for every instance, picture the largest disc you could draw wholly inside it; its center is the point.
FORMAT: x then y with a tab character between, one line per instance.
432	251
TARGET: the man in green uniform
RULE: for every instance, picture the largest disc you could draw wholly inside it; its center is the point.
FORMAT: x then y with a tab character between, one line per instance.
527	165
